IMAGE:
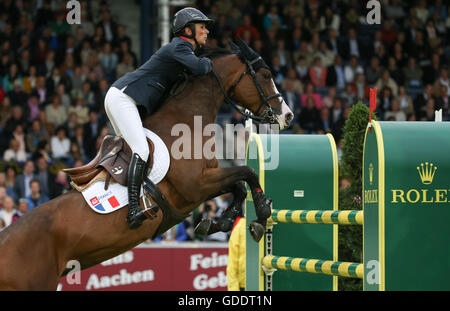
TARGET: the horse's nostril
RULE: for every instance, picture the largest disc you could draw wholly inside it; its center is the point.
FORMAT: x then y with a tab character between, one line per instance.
289	117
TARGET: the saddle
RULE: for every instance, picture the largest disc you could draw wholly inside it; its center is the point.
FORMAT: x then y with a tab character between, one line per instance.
114	157
112	161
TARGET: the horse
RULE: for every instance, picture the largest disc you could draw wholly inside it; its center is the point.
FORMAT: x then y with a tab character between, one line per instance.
36	248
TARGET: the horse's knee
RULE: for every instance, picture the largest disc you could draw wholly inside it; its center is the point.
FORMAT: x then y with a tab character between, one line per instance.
240	191
250	176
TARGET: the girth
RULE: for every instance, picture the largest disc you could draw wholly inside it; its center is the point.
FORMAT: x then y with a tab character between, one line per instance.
170	216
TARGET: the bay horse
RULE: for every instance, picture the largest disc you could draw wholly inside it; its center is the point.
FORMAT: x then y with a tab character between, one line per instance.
35	249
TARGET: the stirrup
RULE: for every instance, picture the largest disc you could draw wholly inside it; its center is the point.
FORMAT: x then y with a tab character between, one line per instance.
136	218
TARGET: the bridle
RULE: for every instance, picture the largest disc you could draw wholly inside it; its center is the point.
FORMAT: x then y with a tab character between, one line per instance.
267	115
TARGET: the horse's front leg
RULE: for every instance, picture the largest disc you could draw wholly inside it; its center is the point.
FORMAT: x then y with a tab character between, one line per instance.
225	223
215	180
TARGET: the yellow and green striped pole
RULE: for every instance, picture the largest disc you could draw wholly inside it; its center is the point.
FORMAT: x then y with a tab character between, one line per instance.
351	217
338	268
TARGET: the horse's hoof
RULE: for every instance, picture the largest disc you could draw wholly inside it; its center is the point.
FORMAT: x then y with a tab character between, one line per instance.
266	211
203	227
256	230
263	206
225	225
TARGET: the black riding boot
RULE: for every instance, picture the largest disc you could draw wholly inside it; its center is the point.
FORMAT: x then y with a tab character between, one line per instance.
136	173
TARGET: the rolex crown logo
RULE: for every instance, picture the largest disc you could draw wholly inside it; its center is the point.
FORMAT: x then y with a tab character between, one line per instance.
427	172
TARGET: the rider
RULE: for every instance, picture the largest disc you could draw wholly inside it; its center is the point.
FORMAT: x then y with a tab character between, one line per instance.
145	86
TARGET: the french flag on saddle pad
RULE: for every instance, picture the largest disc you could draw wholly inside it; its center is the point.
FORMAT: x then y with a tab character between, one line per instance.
106	201
113	202
96	204
107	204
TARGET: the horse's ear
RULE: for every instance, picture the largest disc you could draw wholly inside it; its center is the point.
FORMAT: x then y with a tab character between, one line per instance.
234	47
241	43
243	47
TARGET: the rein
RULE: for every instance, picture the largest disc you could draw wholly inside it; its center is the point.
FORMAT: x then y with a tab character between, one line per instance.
267	115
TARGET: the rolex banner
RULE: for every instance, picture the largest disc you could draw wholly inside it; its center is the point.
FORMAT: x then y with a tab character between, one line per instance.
406	201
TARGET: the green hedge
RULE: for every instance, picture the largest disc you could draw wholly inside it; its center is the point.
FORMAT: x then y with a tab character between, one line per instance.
350	169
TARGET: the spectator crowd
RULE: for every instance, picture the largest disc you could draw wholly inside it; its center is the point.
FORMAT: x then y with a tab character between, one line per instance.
324	57
53	79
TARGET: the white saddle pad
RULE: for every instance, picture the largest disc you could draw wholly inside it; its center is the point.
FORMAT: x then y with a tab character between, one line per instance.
106	201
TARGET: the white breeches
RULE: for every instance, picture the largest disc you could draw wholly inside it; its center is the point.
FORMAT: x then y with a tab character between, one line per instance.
124	116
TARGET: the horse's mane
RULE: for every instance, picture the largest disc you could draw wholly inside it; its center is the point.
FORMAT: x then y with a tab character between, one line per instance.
215	52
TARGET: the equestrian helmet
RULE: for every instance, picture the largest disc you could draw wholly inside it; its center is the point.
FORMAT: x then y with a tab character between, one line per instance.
186	16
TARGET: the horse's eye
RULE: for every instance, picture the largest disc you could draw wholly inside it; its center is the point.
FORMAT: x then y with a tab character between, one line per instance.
267	76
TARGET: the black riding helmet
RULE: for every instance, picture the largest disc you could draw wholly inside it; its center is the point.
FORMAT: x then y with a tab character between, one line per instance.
187	17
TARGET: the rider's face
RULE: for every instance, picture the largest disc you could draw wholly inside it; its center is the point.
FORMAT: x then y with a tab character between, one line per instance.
201	33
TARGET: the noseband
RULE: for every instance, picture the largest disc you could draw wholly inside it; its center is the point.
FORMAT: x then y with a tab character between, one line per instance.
267	115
